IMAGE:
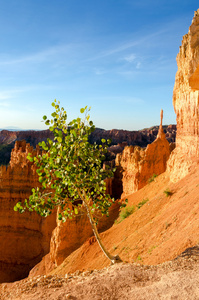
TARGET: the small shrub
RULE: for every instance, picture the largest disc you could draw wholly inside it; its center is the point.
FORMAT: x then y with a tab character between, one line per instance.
139	258
168	192
167	225
140	204
125	213
151	249
152	178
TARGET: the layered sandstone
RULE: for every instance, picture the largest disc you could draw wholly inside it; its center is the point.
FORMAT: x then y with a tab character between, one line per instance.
141	137
33	137
69	236
139	164
24	238
186	104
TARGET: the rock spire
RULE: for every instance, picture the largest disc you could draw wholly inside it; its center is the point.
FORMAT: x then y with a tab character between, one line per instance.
186	104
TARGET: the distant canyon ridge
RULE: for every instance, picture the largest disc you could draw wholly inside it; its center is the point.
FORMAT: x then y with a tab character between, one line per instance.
47	238
139	138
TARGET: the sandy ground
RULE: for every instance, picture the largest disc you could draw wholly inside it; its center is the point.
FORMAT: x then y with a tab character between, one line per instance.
178	279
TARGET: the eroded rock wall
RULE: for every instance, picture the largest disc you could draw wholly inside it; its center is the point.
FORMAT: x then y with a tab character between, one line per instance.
140	164
186	104
24	238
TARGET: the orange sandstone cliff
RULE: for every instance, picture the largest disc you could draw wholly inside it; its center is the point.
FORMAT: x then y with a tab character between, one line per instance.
139	164
186	104
24	238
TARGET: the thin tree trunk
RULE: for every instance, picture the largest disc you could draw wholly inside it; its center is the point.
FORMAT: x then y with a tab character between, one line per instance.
113	259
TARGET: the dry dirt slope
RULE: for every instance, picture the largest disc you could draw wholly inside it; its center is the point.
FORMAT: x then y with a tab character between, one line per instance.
178	279
157	232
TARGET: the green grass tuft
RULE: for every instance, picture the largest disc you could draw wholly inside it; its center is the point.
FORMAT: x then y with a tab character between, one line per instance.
140	204
152	178
126	212
168	192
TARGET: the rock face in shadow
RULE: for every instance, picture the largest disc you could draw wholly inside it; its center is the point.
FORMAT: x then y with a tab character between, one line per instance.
186	104
24	238
139	164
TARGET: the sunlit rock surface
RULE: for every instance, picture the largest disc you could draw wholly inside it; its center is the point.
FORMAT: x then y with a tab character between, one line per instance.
186	104
24	238
139	164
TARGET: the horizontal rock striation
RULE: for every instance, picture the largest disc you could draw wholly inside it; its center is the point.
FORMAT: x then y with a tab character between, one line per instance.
33	137
120	137
24	238
136	138
186	104
141	138
139	164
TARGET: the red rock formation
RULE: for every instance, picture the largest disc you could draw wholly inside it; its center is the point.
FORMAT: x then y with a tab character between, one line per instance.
186	104
24	238
141	138
30	136
69	236
140	164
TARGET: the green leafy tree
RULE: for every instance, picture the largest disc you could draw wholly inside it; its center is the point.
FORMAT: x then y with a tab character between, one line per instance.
71	173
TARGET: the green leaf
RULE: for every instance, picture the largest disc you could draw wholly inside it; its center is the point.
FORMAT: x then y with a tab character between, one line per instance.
60	217
30	158
15	208
59	139
69	164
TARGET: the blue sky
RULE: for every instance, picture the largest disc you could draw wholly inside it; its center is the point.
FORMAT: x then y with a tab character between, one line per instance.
117	56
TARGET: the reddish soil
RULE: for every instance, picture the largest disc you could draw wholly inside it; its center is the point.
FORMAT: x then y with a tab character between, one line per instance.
157	232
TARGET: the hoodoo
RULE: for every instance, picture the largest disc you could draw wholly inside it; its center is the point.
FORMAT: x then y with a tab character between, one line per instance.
24	238
186	104
140	164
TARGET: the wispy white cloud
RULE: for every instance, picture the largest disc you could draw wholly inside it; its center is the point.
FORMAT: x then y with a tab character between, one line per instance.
4	104
122	99
138	65
100	71
37	57
132	42
130	58
6	95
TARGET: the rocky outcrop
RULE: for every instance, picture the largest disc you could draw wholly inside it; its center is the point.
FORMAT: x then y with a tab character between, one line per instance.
139	138
118	137
186	104
69	236
139	164
8	139
33	137
24	238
